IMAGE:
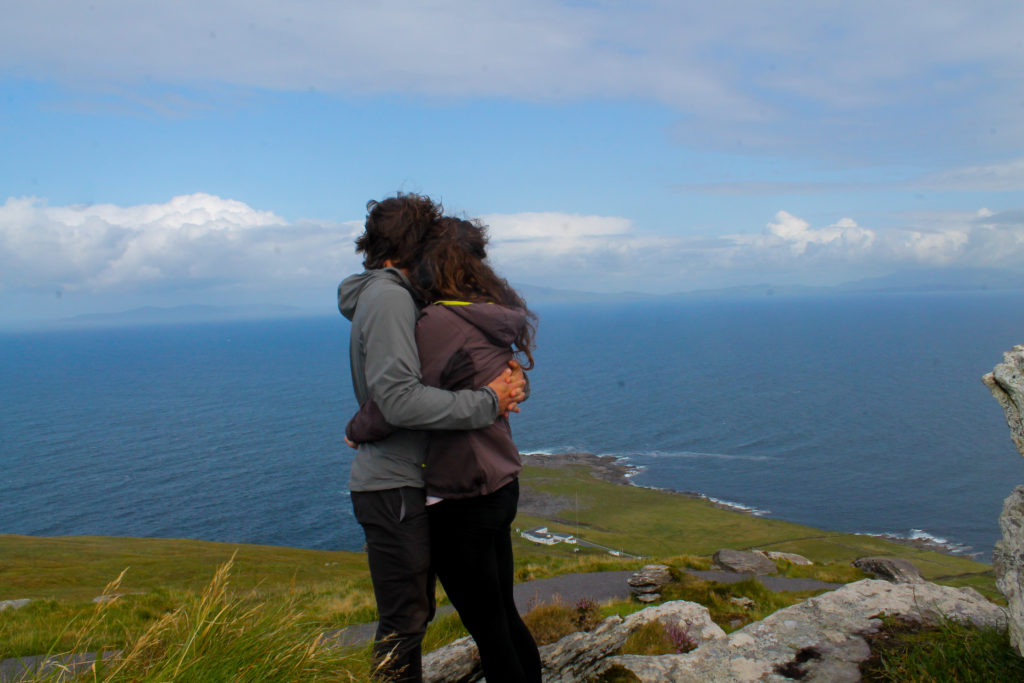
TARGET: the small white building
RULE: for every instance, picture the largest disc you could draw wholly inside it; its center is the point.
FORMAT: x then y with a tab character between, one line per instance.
544	537
539	535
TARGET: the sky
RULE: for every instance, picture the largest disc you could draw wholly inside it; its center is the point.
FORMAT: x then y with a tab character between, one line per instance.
223	151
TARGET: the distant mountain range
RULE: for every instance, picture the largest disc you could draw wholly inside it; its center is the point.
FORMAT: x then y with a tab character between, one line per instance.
186	314
924	280
940	280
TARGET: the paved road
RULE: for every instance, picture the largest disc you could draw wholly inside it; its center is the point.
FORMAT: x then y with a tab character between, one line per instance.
568	588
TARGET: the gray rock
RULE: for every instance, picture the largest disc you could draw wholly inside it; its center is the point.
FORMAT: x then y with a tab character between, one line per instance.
576	656
13	604
647	583
691	617
457	661
742	601
837	662
1008	562
1006	382
792	558
818	639
894	569
743	562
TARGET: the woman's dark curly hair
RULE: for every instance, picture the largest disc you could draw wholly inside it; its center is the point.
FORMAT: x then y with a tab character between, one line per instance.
396	228
453	265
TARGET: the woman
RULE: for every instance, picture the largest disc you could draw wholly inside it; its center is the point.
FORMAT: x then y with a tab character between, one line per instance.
473	326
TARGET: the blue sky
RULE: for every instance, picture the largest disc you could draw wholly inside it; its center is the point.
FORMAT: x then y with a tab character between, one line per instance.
221	151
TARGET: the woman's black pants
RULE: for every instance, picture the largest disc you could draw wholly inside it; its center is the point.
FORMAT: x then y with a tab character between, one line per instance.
471	551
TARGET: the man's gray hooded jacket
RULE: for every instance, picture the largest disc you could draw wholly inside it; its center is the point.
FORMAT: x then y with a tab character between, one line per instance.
386	367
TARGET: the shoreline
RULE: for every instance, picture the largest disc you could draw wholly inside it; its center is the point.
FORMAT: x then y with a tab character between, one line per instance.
618	470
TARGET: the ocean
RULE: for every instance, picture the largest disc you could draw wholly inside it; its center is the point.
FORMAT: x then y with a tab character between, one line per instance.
861	413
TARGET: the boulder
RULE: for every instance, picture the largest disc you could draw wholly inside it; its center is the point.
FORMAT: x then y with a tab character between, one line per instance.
13	604
647	583
819	639
792	558
894	569
743	562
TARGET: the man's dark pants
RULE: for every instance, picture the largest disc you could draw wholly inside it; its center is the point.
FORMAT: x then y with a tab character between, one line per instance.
398	545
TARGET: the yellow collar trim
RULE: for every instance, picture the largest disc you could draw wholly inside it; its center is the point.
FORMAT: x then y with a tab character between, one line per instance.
444	302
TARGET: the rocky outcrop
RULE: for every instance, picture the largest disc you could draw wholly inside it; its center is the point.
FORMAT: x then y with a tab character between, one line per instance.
820	639
894	569
1008	562
817	640
646	584
743	562
577	657
1006	382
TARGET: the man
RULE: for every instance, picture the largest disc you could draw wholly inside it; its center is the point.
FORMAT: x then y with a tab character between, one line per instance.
386	480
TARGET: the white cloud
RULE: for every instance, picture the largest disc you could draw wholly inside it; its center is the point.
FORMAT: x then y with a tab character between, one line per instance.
205	244
750	75
192	240
1007	176
606	254
844	236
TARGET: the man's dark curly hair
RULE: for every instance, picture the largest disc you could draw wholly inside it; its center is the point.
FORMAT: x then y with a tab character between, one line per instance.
396	228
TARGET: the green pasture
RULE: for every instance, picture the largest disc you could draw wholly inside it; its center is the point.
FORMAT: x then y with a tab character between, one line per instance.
324	590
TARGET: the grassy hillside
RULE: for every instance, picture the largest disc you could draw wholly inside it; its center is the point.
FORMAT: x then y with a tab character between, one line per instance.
665	524
324	590
78	567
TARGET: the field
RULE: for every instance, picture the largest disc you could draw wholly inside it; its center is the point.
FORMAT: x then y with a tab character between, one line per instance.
317	591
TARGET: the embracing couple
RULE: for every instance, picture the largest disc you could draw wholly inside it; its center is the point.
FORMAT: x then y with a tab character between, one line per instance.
438	346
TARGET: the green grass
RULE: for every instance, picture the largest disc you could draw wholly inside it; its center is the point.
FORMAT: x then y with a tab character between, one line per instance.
78	567
332	589
549	623
904	652
727	614
654	638
216	635
443	630
63	575
659	524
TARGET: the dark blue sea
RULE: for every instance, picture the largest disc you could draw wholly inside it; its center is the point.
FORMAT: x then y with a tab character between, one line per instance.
859	413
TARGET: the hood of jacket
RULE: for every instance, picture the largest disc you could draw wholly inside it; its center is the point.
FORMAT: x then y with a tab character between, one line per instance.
501	325
352	287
